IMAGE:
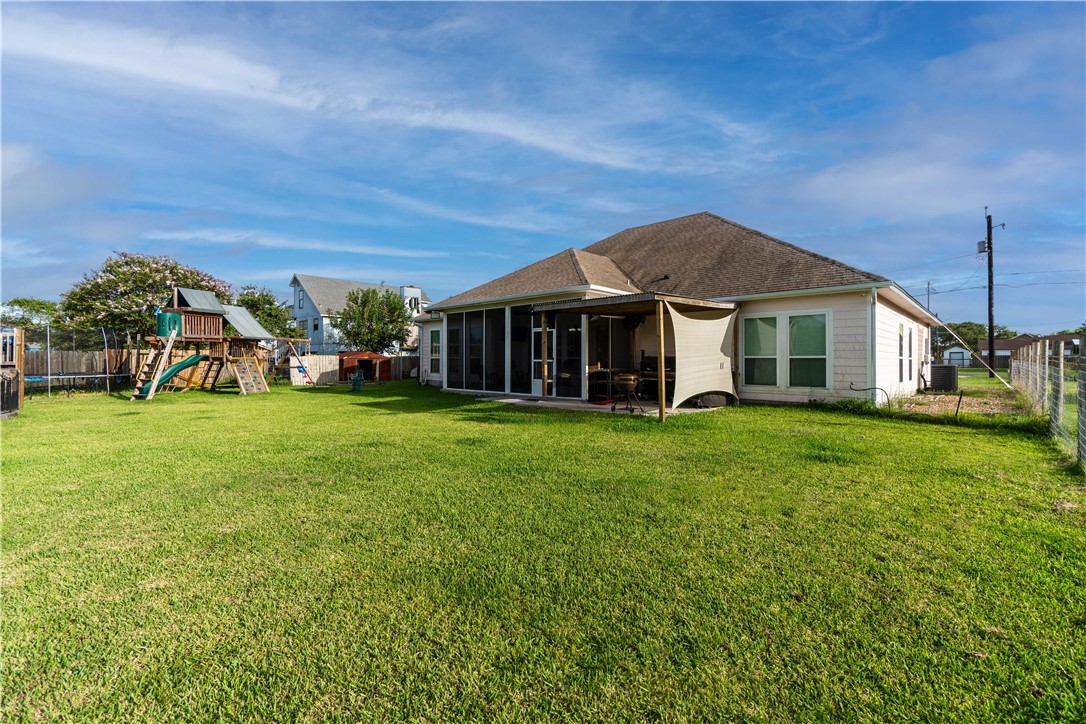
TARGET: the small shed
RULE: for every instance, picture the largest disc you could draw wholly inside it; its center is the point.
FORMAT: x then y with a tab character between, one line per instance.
374	367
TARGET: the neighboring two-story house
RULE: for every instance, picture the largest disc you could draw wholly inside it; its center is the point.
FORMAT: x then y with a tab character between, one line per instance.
317	300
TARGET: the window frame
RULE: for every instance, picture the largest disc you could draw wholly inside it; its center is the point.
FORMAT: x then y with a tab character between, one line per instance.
435	351
301	299
783	350
776	357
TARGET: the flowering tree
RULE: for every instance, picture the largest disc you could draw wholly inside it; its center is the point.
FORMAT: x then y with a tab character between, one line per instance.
124	293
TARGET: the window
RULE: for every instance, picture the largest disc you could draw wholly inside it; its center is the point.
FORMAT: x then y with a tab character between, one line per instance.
316	323
786	350
760	351
807	350
301	299
910	354
435	351
901	353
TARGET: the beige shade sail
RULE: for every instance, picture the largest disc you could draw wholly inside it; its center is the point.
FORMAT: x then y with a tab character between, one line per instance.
703	353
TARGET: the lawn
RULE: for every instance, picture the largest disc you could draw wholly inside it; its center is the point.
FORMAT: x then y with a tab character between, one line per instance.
410	554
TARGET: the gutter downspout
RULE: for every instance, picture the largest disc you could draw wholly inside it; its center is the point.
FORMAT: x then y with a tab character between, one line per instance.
872	334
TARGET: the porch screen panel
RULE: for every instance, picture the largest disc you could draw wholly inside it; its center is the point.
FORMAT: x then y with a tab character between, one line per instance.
520	350
569	369
703	353
474	338
495	349
454	351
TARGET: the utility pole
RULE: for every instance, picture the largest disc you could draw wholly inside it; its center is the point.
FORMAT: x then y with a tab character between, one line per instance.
991	295
928	305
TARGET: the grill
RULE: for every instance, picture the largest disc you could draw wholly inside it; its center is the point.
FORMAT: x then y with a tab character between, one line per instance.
626	383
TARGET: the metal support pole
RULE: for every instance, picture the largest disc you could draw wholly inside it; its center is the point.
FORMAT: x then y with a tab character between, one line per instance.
48	361
1055	405
661	381
546	351
105	352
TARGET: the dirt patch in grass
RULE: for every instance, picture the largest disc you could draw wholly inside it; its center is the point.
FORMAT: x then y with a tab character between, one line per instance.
991	402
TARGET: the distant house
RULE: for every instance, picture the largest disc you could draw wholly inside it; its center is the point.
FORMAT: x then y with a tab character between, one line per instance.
317	300
698	306
1005	348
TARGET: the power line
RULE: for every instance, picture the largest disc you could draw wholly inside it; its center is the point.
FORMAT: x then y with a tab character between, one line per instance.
1003	274
926	263
1011	286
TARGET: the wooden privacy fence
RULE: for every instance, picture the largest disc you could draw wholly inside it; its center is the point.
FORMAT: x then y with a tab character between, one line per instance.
62	362
1055	382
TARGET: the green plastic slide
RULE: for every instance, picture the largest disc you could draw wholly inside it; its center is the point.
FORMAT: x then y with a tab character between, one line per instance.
169	372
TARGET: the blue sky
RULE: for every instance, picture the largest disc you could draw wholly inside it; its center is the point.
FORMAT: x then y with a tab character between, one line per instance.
443	145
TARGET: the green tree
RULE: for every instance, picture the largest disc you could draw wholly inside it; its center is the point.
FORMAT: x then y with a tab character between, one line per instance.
1079	330
373	322
125	292
274	315
28	312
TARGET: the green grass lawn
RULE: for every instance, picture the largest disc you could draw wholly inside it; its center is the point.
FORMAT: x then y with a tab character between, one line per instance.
409	554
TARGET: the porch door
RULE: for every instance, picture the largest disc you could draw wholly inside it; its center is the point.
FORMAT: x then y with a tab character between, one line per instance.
537	360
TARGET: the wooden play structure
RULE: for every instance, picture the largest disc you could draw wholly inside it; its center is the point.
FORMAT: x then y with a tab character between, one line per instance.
190	349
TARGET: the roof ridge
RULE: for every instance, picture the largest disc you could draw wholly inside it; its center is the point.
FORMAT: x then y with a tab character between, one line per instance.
577	265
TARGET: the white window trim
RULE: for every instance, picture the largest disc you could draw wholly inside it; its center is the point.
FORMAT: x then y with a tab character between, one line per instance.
432	356
783	368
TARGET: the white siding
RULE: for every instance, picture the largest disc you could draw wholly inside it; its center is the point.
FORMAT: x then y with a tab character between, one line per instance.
848	350
890	322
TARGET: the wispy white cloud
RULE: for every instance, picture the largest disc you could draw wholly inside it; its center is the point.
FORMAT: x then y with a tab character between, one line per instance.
583	127
34	184
521	219
154	57
233	237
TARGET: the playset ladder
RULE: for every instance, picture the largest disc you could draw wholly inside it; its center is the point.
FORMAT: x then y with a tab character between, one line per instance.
211	374
250	378
152	370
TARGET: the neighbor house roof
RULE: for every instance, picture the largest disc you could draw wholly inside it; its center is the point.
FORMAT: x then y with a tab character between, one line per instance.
198	300
567	269
328	294
245	324
1023	340
700	256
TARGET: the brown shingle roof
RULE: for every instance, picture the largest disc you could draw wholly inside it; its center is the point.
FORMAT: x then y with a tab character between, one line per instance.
702	256
569	268
706	256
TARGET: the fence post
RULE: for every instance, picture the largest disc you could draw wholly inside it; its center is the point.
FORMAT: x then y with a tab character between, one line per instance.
1082	410
1055	399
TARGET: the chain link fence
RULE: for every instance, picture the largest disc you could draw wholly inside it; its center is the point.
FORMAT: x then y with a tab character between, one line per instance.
1055	383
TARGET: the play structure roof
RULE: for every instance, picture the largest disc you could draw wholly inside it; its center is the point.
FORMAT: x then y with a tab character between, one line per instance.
199	300
245	323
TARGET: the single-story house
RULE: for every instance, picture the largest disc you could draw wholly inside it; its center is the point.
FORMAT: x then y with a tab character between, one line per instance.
317	300
695	306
